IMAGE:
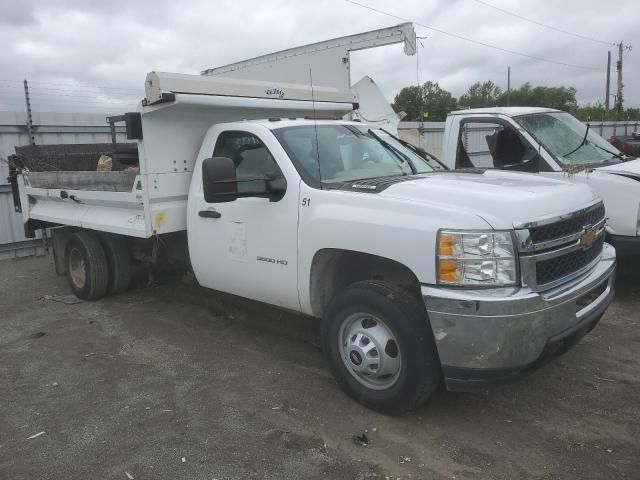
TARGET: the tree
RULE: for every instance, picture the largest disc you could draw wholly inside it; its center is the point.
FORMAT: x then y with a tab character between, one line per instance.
429	99
597	113
632	113
561	98
589	112
408	101
481	94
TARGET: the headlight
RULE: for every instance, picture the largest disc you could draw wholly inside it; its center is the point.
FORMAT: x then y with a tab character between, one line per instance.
476	258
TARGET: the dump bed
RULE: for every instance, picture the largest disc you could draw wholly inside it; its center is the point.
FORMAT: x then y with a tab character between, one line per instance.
60	185
172	121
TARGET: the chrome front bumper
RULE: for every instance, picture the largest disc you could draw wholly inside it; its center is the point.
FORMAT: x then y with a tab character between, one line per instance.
489	336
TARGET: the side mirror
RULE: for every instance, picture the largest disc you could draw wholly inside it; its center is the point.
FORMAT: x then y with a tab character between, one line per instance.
221	184
219	180
276	187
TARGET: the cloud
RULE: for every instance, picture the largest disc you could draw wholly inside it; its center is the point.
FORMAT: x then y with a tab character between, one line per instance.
59	45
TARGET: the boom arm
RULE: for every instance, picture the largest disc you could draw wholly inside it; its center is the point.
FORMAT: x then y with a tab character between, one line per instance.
329	59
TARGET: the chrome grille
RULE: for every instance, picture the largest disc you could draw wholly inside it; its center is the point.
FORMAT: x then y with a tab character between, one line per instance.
557	249
559	267
569	226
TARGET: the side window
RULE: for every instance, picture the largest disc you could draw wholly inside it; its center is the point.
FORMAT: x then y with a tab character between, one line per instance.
492	145
251	157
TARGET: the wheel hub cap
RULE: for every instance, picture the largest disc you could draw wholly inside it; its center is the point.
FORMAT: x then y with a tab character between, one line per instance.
77	268
370	351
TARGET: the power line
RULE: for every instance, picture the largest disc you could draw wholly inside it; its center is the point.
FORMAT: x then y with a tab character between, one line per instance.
71	90
79	85
46	99
540	24
73	95
39	89
56	107
61	98
467	39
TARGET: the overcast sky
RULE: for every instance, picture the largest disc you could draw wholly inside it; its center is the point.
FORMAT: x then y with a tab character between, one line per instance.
113	44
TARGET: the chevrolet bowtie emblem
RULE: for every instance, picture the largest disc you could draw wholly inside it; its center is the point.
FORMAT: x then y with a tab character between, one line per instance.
588	237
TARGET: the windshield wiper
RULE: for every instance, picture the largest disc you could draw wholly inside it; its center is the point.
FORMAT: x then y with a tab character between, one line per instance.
418	151
619	156
400	155
584	140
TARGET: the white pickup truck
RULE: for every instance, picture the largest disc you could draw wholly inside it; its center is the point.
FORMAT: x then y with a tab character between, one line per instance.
554	144
418	274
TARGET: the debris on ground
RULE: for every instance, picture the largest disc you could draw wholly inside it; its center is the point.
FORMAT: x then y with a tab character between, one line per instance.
36	435
361	440
315	343
69	299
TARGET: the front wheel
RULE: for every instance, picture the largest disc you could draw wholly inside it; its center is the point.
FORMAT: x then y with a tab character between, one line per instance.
380	347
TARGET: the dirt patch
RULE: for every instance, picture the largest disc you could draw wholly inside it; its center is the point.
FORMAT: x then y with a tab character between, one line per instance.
138	382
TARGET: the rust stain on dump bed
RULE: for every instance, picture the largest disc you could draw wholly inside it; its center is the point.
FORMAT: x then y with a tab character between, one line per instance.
159	218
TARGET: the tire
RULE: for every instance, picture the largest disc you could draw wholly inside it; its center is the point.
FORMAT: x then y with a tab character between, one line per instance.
86	266
385	309
119	262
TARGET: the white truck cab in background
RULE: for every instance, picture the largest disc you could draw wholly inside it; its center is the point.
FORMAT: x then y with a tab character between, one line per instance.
554	144
418	274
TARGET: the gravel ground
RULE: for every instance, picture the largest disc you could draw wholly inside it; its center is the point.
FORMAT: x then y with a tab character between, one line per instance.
180	382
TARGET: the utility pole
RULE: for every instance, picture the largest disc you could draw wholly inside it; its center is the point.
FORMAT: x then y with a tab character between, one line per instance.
508	83
29	117
619	97
619	69
607	95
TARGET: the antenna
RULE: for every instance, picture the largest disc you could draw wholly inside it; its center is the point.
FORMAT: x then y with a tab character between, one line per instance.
421	119
315	127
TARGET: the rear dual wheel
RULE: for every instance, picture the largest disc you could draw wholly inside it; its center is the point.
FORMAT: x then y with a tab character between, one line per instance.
97	265
119	261
380	347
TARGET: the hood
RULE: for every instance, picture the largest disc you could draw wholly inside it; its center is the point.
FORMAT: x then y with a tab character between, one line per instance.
628	169
502	199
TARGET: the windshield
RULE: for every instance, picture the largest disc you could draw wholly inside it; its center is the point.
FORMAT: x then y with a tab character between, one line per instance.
566	138
348	152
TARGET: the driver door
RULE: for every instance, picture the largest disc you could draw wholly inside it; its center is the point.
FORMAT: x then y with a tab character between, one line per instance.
247	247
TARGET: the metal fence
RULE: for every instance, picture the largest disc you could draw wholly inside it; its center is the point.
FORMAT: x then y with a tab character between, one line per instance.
429	135
49	128
65	128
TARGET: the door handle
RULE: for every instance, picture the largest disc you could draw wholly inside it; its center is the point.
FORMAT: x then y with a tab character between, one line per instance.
209	214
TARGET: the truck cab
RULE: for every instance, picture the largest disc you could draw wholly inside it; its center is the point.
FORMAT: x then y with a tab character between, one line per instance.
554	144
339	203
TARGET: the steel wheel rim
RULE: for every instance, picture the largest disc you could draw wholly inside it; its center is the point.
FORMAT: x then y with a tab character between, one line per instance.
370	351
77	270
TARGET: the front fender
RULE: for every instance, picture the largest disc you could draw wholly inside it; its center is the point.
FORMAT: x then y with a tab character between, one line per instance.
404	232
